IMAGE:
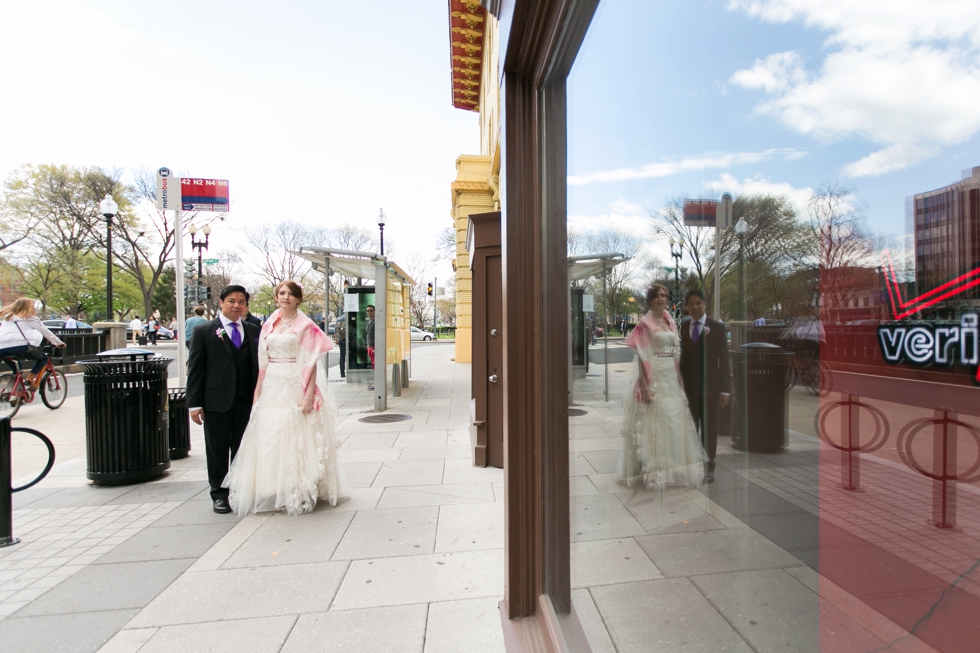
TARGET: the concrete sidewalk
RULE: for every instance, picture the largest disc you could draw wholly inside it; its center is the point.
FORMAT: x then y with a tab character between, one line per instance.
412	562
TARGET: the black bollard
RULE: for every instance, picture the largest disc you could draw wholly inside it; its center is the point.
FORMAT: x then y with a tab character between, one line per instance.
6	488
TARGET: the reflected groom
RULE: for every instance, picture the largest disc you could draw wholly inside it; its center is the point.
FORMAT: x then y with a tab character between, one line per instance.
704	368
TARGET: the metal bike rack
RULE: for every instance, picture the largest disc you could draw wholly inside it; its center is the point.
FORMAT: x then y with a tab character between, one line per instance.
6	489
851	444
944	449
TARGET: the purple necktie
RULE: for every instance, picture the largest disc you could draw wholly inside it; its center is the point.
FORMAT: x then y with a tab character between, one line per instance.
697	332
236	335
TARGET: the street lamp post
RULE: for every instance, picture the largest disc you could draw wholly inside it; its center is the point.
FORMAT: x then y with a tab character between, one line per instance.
381	226
677	254
199	245
741	228
109	209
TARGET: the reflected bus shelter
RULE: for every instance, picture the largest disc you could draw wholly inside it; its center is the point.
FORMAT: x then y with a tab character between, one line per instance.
390	295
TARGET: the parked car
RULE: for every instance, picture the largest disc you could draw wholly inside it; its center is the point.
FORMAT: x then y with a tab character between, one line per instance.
419	334
60	324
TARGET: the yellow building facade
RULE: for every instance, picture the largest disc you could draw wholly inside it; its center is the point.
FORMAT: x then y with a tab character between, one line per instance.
476	87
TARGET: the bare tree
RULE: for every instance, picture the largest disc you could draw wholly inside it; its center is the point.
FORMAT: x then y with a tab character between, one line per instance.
843	246
421	304
276	248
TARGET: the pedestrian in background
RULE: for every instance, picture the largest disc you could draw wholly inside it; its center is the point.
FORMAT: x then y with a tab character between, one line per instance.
152	326
193	321
137	328
340	337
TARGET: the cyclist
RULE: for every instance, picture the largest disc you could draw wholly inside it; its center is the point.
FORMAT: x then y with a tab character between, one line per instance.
21	333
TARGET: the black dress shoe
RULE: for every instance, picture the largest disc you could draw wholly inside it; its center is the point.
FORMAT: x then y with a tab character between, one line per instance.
221	506
709	477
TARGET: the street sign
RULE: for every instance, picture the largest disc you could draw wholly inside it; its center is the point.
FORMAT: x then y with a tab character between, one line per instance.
700	213
204	194
168	190
588	303
210	261
723	215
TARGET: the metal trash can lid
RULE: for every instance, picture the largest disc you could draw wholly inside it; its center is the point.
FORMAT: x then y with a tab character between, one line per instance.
131	353
760	345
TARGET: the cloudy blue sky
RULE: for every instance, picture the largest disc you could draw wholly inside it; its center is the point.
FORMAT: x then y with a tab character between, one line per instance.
704	96
321	111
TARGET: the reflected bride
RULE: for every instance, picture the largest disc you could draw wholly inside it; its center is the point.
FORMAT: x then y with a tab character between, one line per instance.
660	441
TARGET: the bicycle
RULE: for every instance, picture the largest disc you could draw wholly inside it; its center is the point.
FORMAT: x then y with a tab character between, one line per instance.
814	374
15	391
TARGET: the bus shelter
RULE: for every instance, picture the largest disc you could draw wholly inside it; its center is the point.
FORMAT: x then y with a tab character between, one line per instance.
390	295
580	268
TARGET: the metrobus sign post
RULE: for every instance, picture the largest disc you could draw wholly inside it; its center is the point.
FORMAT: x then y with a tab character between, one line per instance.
204	194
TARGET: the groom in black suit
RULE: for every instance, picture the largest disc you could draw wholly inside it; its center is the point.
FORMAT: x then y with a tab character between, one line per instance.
222	369
704	368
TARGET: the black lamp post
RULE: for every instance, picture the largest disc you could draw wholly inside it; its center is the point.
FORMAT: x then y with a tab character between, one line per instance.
677	254
199	245
109	209
381	226
741	228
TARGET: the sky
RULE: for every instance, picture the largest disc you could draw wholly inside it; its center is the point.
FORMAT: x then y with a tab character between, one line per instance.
318	111
701	97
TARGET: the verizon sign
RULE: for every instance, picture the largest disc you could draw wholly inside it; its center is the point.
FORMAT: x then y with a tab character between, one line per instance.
925	345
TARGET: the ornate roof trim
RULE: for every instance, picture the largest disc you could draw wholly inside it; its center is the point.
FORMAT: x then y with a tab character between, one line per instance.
466	38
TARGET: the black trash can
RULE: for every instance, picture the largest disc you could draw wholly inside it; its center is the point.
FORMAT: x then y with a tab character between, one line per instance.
126	416
760	405
180	424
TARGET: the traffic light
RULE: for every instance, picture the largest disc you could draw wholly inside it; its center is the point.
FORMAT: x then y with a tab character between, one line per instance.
430	290
205	293
189	268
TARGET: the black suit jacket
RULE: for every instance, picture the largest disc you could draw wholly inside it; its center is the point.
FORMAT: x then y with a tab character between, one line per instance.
212	372
715	350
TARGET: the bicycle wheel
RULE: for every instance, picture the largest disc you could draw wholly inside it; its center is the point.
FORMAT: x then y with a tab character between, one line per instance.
791	375
826	379
54	389
9	402
812	377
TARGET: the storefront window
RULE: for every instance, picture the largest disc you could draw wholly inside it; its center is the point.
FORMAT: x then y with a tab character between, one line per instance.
799	470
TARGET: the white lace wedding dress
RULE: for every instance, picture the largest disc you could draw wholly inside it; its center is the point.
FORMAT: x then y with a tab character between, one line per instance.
661	445
287	460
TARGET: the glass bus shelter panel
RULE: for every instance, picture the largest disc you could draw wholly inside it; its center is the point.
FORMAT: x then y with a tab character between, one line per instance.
357	329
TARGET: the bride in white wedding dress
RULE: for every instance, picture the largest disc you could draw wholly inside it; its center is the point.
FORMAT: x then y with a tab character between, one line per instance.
661	445
288	456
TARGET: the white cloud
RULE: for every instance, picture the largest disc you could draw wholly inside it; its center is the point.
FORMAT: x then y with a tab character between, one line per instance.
699	162
904	75
758	185
622	214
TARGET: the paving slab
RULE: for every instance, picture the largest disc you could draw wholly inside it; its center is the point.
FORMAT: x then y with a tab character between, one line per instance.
421	579
82	632
260	635
98	588
168	543
395	629
469	625
707	552
410	472
669	616
470	527
283	540
246	593
389	532
436	495
608	562
154	492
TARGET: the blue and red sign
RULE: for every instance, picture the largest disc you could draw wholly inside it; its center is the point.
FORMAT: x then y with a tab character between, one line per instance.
700	213
204	194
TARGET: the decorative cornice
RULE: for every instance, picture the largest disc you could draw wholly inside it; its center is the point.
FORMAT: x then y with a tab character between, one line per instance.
466	37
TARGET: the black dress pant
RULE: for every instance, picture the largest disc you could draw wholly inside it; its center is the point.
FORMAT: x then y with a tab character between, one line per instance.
343	357
709	438
222	437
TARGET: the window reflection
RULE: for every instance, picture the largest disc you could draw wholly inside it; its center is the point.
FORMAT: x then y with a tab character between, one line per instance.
813	480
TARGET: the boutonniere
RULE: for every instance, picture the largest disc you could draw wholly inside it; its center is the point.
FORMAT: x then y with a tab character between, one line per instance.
707	329
220	333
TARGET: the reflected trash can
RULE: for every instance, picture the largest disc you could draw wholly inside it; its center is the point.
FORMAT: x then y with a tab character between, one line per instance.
126	416
760	406
180	424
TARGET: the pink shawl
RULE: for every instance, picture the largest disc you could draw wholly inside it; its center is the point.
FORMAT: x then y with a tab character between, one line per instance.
639	339
313	344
